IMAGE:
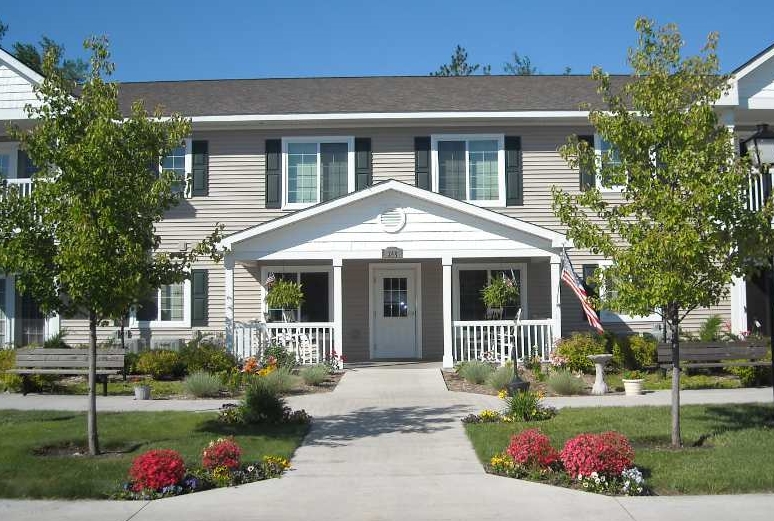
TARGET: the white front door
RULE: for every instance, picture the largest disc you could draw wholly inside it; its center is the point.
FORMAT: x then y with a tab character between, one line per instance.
394	313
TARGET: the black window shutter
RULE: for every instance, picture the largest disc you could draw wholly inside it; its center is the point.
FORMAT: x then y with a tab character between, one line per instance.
422	162
199	280
587	176
363	168
514	182
273	173
200	177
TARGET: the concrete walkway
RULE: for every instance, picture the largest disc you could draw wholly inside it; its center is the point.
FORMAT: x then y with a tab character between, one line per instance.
388	444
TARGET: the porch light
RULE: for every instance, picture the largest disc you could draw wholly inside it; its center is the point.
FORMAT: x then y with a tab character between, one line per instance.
760	146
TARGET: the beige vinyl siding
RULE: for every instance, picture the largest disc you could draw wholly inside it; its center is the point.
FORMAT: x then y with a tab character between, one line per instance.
432	310
237	199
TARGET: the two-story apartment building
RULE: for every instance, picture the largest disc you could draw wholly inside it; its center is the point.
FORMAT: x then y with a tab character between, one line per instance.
392	200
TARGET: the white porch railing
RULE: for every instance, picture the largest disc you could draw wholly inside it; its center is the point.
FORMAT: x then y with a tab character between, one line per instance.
312	342
759	189
24	185
493	340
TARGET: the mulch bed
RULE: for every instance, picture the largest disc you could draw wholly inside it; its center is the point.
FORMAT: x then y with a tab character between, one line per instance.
455	382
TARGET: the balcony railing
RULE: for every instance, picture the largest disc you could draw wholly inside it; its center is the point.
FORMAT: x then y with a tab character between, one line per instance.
758	190
493	340
24	185
312	342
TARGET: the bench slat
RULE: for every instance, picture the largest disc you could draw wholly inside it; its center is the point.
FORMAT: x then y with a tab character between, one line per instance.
25	350
60	371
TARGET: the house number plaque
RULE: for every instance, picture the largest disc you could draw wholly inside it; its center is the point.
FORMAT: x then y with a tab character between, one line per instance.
392	253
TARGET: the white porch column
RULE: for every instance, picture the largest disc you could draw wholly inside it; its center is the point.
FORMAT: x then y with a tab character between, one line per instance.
228	264
738	305
338	308
448	356
556	304
53	326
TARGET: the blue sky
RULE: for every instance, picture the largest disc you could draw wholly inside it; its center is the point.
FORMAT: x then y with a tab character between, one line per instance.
171	40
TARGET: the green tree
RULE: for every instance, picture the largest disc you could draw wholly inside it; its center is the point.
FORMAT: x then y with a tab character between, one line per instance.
73	70
459	66
520	66
681	228
3	30
84	241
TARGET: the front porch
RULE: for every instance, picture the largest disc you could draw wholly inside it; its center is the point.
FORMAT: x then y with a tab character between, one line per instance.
394	272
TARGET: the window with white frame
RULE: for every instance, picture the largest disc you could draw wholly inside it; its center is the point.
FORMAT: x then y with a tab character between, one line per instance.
471	279
317	169
316	285
178	161
607	290
169	306
610	156
470	168
8	159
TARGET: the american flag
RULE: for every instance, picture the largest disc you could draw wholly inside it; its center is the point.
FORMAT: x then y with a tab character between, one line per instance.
270	279
576	285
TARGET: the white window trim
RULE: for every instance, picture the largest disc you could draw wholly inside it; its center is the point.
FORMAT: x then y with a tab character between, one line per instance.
187	165
321	268
608	316
598	153
500	138
166	324
349	140
12	150
523	289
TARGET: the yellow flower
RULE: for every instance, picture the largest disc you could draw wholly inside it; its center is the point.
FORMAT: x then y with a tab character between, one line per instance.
502	394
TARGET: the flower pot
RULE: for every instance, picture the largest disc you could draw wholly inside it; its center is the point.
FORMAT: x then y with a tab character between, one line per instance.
142	392
633	387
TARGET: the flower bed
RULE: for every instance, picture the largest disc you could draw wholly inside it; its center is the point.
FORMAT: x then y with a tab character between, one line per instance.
162	473
600	463
521	407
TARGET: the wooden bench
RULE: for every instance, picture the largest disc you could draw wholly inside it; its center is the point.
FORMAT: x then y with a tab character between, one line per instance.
31	361
715	354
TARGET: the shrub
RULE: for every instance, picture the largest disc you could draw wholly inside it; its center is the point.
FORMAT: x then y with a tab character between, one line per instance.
576	349
752	376
314	374
205	355
56	341
609	453
282	357
202	384
500	377
532	448
156	469
525	406
223	452
160	364
280	380
262	404
634	352
130	363
475	371
8	381
565	383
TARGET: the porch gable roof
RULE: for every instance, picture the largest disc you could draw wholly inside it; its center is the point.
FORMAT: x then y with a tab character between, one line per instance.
557	240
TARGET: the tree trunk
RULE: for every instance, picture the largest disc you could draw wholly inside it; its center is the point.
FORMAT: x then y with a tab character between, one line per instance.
92	413
674	319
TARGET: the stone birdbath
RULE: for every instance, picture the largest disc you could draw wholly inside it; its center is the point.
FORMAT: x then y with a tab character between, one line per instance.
600	361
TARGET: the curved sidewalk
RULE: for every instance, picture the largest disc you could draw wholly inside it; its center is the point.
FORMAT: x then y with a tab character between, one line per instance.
388	444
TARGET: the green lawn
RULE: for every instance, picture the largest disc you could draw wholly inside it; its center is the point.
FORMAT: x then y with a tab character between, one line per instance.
657	381
159	388
736	455
24	474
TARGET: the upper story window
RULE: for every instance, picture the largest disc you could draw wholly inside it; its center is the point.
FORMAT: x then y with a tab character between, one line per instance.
317	169
178	161
611	156
469	168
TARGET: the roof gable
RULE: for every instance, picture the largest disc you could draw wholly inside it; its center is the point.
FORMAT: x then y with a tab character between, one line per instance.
347	213
17	83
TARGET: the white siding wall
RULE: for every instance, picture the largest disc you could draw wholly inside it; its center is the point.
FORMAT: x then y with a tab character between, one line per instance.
15	92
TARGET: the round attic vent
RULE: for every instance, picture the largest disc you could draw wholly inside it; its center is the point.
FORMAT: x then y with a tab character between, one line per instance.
392	220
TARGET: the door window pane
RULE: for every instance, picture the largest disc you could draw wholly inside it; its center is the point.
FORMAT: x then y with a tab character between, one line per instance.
451	169
171	302
333	161
302	172
482	156
395	297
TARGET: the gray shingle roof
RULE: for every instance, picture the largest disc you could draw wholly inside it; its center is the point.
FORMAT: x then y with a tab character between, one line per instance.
365	94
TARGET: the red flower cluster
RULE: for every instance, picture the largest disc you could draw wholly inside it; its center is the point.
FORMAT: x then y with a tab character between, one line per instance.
224	452
607	453
532	448
156	469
